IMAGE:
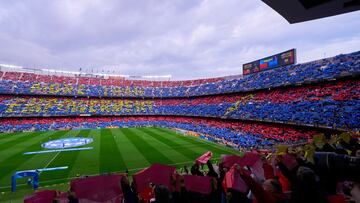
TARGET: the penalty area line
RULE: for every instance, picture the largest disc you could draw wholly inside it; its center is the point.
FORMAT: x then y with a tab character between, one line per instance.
50	162
58	150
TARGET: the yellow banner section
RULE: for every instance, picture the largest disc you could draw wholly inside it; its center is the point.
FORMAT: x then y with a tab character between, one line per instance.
59	106
66	89
235	107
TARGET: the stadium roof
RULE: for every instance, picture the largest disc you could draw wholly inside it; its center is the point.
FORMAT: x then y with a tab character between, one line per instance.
296	11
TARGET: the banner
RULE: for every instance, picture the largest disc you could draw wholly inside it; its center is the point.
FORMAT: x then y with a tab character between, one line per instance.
44	196
204	158
249	159
233	180
98	188
200	184
156	173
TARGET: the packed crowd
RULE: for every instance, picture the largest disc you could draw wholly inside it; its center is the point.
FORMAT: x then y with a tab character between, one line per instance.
98	80
330	68
241	134
323	171
36	102
333	105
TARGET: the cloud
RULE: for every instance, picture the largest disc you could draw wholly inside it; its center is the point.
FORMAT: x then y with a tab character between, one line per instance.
187	39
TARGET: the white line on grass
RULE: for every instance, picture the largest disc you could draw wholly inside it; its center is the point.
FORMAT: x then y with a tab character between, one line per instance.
51	161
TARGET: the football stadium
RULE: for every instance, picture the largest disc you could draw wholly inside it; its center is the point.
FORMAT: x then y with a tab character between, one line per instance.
279	131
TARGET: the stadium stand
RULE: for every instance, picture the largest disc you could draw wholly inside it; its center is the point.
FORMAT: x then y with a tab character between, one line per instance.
289	105
326	69
332	105
289	175
239	133
329	104
294	130
324	93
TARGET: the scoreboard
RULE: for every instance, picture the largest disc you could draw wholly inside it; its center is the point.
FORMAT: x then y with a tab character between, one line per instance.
282	59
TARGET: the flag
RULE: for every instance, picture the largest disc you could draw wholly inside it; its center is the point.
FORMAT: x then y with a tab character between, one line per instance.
229	160
200	184
204	158
258	170
345	136
98	188
156	173
233	180
248	159
281	149
45	196
309	153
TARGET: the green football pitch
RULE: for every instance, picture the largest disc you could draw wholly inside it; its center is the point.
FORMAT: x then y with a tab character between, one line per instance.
113	150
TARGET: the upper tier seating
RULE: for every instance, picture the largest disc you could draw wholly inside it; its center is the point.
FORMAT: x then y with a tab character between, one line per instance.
326	69
332	105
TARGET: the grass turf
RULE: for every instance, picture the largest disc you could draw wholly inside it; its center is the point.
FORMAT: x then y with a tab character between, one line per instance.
114	150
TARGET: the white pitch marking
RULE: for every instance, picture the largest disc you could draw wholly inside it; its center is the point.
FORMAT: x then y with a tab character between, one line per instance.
51	161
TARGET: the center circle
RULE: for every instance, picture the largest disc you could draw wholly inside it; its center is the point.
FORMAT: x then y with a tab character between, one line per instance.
67	143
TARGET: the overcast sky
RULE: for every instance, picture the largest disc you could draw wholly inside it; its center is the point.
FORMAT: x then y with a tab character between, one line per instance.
185	38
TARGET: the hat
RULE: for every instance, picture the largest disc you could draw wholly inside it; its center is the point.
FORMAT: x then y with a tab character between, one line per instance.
309	152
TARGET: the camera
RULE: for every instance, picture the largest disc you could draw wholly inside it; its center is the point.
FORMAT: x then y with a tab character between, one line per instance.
342	167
